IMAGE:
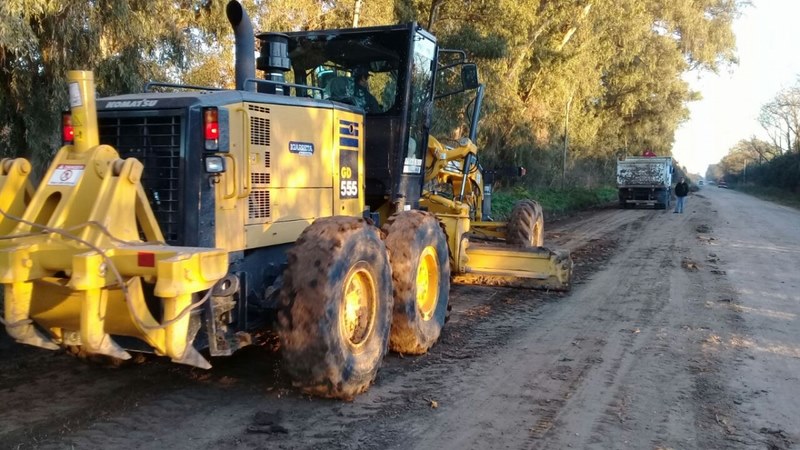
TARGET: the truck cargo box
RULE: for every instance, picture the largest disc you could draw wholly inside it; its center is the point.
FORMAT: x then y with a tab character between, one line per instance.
645	180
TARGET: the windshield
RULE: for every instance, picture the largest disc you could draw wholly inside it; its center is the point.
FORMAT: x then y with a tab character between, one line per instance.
375	91
421	101
355	68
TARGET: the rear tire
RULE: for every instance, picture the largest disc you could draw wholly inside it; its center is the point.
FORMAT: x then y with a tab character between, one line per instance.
421	279
335	307
526	225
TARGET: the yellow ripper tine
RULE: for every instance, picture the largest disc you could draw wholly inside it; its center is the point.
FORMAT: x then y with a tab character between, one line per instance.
75	263
17	313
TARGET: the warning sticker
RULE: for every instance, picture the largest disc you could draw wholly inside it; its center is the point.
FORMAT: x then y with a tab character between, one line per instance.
75	95
412	165
66	175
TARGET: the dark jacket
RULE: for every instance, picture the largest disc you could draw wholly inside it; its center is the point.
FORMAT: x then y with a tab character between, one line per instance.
366	100
682	189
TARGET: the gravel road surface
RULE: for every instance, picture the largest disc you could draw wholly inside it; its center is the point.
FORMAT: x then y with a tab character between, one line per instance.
681	331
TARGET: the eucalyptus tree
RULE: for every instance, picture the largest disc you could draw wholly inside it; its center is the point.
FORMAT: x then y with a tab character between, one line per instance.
605	73
780	118
125	42
613	67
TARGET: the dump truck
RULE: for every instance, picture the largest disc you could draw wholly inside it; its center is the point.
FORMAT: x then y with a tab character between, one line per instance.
183	220
645	180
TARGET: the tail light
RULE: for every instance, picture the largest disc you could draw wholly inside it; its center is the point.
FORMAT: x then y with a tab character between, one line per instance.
67	130
211	128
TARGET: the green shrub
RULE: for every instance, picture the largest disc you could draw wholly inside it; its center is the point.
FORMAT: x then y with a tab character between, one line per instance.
772	193
555	202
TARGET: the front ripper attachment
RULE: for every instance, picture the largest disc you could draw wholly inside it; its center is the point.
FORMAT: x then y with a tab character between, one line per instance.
72	260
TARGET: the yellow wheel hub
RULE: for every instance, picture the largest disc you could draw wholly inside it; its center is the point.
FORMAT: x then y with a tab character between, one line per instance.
427	282
357	314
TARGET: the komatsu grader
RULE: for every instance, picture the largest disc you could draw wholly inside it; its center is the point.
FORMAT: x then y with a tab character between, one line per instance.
175	220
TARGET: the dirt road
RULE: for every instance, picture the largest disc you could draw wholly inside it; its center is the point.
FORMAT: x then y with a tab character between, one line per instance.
681	331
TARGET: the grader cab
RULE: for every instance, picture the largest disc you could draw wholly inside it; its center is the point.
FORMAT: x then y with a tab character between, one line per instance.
176	219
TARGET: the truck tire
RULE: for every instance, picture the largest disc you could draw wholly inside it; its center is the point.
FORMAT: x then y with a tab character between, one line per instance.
526	225
335	307
421	279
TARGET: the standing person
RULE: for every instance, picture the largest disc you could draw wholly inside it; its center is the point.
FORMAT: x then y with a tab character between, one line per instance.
681	191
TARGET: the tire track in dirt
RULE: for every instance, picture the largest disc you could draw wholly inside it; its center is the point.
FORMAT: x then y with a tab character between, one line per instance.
147	398
648	403
474	334
406	386
513	368
78	404
629	309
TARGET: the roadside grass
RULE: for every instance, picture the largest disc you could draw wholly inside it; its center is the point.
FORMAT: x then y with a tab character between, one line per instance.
772	194
555	202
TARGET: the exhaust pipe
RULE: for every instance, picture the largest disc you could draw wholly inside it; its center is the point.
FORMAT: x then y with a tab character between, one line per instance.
245	45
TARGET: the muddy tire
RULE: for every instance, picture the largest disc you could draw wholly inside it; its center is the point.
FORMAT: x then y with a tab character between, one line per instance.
421	278
526	225
335	307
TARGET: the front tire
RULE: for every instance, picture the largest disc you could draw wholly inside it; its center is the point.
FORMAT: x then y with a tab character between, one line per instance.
526	225
421	279
336	305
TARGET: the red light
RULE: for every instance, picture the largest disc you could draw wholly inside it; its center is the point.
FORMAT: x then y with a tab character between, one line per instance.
67	130
212	131
211	121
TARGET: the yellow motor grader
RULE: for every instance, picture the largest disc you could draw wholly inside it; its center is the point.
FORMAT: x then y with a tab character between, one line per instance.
174	221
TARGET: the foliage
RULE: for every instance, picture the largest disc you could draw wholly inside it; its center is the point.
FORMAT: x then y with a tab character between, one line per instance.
555	202
609	72
780	117
768	166
782	172
604	75
773	194
125	43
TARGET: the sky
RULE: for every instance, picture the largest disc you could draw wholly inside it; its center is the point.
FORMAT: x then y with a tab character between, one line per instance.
766	43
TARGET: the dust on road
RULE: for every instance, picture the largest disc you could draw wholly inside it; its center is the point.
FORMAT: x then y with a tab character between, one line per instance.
681	331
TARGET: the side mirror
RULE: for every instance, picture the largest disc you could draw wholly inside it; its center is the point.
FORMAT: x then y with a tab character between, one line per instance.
469	76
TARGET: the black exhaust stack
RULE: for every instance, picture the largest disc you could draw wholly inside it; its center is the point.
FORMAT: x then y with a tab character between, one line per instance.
245	45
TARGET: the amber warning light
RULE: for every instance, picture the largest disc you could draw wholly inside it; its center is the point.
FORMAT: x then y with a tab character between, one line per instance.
211	127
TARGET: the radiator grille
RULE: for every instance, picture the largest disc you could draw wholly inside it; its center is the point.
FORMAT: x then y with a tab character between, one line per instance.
259	178
156	142
258	202
257	108
259	131
260	134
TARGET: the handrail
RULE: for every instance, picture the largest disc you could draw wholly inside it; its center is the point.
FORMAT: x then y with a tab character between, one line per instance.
278	83
247	185
179	86
225	196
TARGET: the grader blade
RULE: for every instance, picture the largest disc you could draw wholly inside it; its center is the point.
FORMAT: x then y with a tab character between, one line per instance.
497	264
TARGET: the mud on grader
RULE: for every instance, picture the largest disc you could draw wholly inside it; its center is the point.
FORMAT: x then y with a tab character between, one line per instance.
178	220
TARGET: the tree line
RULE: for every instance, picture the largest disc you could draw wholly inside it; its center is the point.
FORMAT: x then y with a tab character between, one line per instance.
774	162
599	78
